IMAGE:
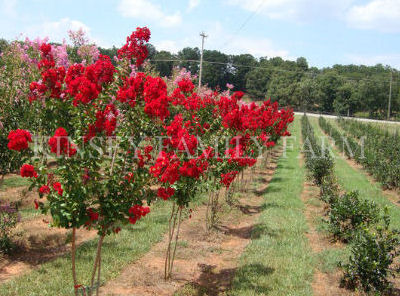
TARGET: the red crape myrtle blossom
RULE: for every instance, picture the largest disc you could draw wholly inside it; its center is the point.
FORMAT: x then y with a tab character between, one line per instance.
186	85
60	145
44	189
135	46
28	171
228	178
165	193
57	187
136	212
18	140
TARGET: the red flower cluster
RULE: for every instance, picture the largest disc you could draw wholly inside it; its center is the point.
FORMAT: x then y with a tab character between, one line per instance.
60	145
93	216
136	212
136	46
28	171
228	178
57	187
132	88
18	139
193	168
83	84
166	168
44	189
155	96
165	193
105	121
179	135
186	85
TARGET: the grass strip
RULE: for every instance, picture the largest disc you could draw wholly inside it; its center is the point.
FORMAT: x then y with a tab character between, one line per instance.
279	261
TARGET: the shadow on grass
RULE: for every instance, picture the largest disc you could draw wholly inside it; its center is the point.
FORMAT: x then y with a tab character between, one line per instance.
248	232
266	190
213	283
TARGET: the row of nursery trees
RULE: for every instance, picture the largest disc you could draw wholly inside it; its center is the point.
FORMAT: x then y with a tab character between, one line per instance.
119	137
374	244
343	89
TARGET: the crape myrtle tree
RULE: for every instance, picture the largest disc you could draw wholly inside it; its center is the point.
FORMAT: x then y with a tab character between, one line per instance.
105	124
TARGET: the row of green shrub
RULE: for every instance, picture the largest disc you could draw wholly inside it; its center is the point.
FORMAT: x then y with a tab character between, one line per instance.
377	150
353	220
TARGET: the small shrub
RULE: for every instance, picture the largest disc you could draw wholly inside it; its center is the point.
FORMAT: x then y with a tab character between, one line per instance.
370	264
9	218
330	189
349	213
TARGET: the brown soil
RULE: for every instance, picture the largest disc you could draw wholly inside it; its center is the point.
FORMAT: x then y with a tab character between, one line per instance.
18	195
37	243
205	261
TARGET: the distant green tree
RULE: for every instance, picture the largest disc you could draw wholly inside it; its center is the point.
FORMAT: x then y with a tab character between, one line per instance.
216	73
241	65
191	54
257	81
163	64
3	45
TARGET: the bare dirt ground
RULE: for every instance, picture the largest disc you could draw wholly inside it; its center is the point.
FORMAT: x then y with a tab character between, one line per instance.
38	244
206	260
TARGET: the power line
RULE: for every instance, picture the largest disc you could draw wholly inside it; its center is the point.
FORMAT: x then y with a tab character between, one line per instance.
312	74
243	24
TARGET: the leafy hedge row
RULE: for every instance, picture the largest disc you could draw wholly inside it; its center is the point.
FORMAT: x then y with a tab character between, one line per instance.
352	219
381	149
346	145
318	162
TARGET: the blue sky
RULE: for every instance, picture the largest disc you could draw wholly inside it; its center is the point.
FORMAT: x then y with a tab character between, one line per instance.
326	32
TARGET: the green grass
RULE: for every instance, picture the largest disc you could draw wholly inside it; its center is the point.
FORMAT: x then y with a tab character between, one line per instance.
351	178
13	182
279	261
54	277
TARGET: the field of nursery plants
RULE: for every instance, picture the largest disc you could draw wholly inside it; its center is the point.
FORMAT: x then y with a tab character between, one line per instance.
117	180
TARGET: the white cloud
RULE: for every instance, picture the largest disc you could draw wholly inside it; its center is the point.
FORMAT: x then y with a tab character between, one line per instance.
8	8
295	10
259	47
57	31
382	15
146	10
168	45
370	60
193	4
233	44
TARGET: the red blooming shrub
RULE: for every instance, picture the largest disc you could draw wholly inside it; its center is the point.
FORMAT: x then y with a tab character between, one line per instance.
107	110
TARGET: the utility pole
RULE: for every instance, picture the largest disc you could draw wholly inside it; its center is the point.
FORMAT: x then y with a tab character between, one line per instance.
202	35
390	94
